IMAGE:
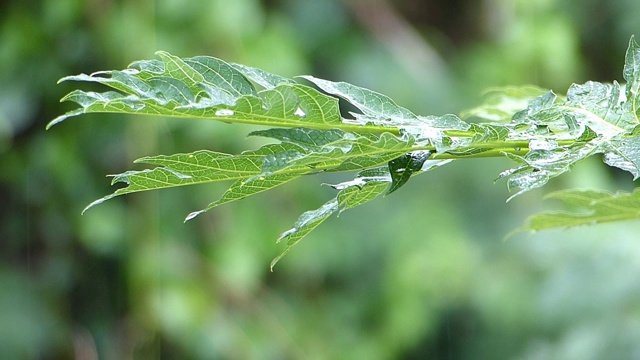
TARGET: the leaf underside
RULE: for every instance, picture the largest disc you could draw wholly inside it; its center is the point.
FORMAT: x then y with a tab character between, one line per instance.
383	143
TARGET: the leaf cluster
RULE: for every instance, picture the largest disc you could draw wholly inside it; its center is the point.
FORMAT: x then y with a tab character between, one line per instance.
383	144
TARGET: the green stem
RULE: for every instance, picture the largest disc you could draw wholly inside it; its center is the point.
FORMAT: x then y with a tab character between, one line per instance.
497	152
489	149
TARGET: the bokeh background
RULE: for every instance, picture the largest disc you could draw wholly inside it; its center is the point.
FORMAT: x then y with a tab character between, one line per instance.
423	274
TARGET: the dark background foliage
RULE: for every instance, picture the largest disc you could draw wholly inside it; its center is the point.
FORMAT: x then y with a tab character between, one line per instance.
423	273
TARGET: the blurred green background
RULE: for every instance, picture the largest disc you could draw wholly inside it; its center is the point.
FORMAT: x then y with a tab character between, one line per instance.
422	274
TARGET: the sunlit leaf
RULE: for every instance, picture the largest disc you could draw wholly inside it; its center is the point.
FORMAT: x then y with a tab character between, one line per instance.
385	144
375	107
208	88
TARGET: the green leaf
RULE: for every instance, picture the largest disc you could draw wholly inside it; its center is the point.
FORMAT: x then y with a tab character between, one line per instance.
489	132
623	152
545	160
304	225
375	107
366	186
594	119
245	188
501	103
208	88
309	138
591	207
403	167
261	77
631	74
605	108
335	151
544	134
353	196
195	168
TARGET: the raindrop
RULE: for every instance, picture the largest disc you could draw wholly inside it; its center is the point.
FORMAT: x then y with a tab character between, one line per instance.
300	113
178	174
345	148
358	182
224	112
542	144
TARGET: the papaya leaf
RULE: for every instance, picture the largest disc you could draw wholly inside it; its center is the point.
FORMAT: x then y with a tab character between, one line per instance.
375	107
245	188
600	118
202	166
501	103
403	167
353	196
308	138
208	88
304	225
590	207
385	144
623	152
366	186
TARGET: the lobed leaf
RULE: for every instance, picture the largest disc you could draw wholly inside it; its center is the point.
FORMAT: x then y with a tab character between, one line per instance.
366	186
595	118
501	103
375	107
245	188
207	88
623	152
591	207
353	196
304	225
385	143
402	168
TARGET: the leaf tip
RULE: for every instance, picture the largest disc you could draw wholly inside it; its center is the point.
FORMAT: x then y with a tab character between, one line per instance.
54	122
278	258
515	195
273	263
161	53
519	230
286	234
99	201
94	203
193	215
63	117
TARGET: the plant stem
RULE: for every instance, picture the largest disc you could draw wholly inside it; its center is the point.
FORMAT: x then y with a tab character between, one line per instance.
497	152
489	149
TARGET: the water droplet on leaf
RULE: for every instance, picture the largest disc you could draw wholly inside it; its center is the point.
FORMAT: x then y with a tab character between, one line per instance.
300	113
224	112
